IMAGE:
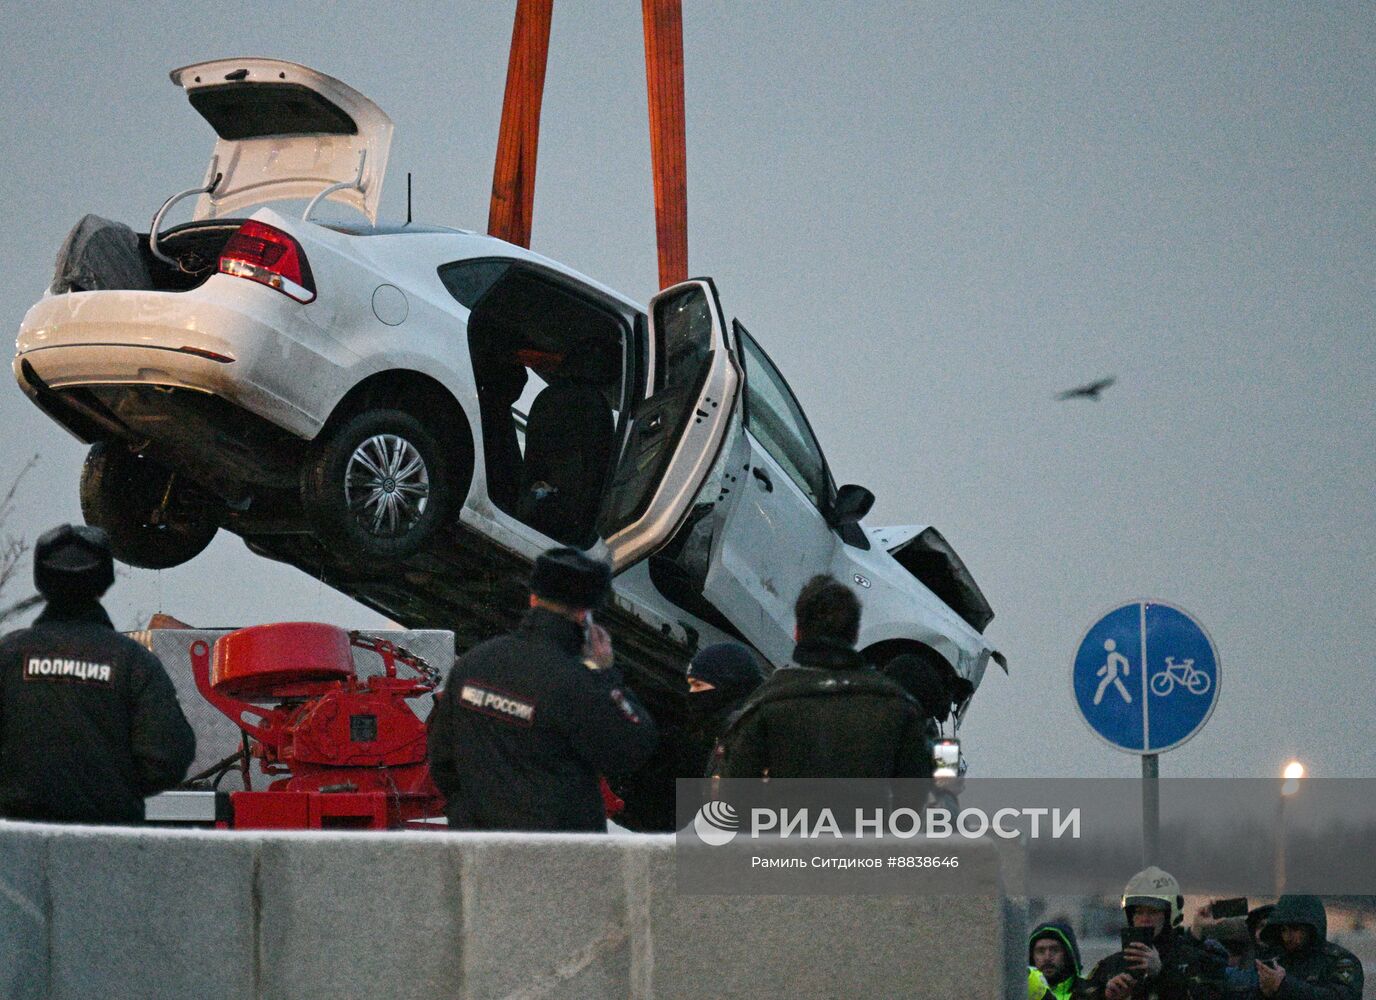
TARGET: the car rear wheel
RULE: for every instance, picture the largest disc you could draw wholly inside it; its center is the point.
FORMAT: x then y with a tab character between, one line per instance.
154	519
378	486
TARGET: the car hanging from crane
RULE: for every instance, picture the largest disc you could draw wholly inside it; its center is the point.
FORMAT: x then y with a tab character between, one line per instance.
411	413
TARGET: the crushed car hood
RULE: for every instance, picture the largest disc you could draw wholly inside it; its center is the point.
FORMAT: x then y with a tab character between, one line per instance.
923	552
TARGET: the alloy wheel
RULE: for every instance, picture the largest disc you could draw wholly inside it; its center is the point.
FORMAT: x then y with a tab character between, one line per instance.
386	485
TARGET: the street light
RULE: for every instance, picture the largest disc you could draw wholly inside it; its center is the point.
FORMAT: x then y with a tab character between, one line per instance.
1291	775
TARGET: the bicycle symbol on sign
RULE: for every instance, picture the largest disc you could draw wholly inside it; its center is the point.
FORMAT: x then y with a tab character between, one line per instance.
1183	673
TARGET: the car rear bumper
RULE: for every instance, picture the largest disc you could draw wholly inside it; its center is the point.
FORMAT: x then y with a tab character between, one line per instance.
220	339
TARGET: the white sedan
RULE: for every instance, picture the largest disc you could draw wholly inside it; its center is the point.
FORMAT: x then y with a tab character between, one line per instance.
413	413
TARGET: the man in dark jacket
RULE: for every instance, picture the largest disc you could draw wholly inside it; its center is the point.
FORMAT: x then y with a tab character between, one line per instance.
1054	952
89	721
1174	966
1303	964
719	679
528	722
829	714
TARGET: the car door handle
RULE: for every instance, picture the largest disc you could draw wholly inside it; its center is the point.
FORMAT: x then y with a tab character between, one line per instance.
764	479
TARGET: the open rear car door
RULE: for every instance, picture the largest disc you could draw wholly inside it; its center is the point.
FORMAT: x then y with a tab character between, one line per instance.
286	132
678	428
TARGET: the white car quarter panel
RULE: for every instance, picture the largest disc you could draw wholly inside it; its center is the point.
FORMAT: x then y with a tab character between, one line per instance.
282	365
293	363
431	338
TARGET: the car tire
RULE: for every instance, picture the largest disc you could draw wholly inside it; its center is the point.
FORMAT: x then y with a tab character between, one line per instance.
122	491
377	486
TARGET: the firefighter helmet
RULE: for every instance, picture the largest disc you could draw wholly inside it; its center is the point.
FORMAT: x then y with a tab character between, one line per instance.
1154	887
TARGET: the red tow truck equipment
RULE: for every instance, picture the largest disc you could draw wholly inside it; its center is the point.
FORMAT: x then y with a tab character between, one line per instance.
347	753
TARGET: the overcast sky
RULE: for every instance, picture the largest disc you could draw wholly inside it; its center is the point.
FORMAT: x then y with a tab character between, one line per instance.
934	218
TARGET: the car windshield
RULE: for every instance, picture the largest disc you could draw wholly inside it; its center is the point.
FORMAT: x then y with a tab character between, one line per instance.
776	421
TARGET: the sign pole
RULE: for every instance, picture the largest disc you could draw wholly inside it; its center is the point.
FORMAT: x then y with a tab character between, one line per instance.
1151	808
1167	656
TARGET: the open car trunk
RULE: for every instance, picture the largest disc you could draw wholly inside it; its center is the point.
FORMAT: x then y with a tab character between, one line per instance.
100	255
283	132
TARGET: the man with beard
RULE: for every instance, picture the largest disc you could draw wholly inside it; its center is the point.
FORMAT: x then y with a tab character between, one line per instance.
1053	951
1303	963
1174	966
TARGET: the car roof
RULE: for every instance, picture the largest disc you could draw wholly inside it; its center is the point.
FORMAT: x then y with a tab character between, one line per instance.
469	245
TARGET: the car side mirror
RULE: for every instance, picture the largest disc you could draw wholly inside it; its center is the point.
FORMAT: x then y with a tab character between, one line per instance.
851	504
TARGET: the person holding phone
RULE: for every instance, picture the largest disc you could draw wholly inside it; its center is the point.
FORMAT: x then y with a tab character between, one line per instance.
1302	964
528	723
1225	924
1159	959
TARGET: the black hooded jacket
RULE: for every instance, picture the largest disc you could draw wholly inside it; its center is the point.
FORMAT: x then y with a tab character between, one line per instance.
1189	971
1065	934
89	721
685	751
831	715
1321	970
523	729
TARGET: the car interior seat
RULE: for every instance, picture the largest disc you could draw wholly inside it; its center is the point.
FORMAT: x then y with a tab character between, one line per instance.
569	438
499	386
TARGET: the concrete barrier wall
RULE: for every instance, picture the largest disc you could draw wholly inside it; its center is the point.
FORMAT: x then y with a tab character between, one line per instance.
91	912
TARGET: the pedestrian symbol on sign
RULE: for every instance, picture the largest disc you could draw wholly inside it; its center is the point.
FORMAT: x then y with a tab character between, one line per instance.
1145	677
1109	672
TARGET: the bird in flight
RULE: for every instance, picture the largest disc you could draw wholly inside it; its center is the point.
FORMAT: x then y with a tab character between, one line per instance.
1089	391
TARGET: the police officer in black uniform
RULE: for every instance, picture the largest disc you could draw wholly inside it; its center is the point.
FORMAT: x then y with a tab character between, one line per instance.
89	721
528	722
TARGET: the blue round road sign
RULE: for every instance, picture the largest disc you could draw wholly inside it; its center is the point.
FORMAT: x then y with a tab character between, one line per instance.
1146	677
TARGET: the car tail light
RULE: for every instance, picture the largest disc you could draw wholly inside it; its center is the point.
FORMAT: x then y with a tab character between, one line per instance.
270	257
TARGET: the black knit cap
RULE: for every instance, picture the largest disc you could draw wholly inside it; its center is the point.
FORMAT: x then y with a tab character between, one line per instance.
727	666
567	576
73	563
